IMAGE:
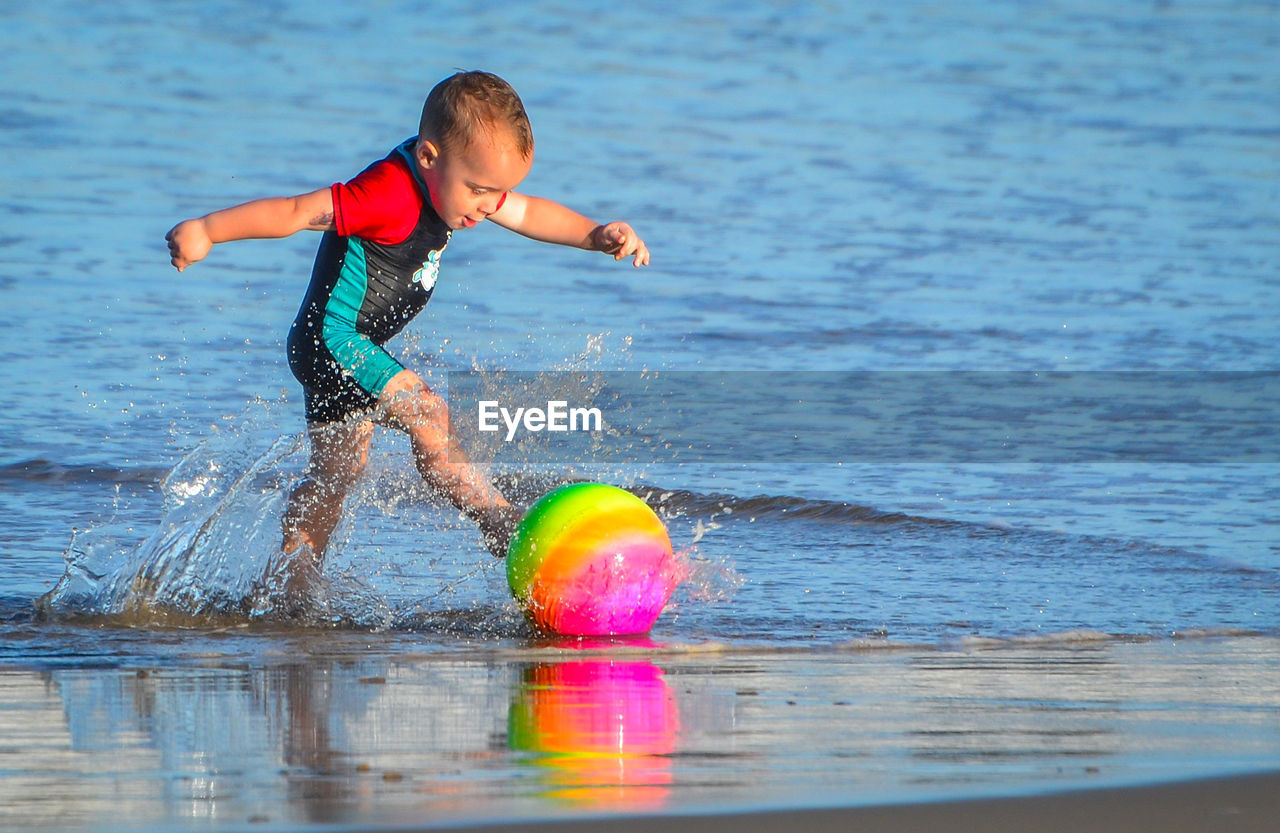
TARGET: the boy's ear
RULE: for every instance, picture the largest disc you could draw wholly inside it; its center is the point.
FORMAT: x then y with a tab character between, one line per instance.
426	151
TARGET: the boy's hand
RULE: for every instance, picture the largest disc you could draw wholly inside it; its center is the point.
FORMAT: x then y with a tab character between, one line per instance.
188	242
620	240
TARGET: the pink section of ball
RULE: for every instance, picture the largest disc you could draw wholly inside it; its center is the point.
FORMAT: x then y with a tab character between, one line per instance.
620	591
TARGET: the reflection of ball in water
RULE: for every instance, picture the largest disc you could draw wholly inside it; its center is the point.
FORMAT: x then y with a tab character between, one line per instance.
590	559
601	730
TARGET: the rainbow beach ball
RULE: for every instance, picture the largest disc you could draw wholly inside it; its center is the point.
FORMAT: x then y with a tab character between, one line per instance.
590	559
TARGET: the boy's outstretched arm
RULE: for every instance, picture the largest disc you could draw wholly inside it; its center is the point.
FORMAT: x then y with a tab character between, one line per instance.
551	222
190	240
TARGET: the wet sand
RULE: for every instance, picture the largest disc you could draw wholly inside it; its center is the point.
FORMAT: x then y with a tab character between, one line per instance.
303	731
1241	804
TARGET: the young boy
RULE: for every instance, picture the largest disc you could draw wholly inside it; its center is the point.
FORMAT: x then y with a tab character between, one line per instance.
384	233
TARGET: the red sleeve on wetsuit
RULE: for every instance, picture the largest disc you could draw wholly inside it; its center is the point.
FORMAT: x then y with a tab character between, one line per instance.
381	204
501	200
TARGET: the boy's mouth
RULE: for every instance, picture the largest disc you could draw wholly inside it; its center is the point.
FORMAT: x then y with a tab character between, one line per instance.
467	222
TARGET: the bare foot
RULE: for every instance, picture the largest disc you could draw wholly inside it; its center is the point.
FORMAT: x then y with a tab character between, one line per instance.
301	577
292	588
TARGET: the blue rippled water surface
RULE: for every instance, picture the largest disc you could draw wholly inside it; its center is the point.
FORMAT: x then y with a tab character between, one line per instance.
829	189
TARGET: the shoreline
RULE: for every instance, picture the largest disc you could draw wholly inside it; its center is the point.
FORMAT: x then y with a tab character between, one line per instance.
1248	803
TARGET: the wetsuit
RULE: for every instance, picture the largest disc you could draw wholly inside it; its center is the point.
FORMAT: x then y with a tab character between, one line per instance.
372	275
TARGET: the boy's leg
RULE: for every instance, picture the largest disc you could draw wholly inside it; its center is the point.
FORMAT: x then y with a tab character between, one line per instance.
339	452
410	406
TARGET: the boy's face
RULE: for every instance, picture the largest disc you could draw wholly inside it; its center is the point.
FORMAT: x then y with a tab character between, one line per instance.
467	183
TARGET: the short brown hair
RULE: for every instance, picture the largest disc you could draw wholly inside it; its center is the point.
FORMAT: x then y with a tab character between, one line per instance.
467	104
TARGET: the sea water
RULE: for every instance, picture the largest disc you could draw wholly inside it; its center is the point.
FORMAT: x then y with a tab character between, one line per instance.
1005	188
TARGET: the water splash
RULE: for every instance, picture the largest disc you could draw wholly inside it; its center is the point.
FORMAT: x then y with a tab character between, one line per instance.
215	542
400	558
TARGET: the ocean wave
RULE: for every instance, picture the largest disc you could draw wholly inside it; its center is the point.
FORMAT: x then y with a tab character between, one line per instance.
41	470
673	503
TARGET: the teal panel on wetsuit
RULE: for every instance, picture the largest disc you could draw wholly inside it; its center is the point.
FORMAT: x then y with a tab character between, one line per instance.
369	365
406	151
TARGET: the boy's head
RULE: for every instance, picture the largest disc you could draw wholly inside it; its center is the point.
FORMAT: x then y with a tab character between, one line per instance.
470	105
474	145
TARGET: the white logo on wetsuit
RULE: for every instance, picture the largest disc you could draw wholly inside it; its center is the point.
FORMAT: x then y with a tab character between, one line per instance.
430	270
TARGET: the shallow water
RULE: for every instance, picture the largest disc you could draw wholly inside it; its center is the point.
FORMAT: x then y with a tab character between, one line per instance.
1002	187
